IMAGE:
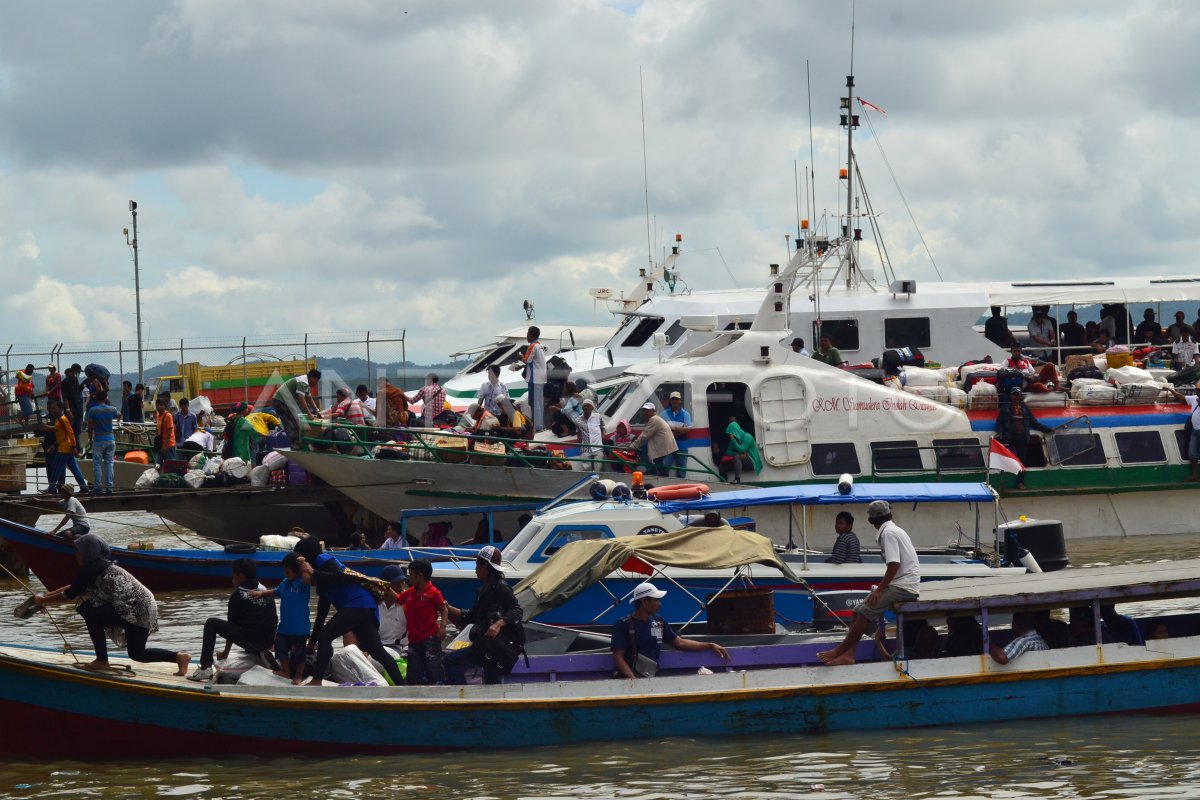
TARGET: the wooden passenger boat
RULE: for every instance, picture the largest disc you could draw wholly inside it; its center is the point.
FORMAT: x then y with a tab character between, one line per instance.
45	698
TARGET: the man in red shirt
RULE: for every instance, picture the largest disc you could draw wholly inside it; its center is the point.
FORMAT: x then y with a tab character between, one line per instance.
427	615
1036	380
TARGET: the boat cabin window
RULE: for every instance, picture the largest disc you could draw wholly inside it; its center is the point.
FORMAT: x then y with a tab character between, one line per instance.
1140	447
1181	441
843	332
613	394
906	332
562	536
834	458
738	326
1078	449
727	400
496	356
675	332
954	454
642	332
901	456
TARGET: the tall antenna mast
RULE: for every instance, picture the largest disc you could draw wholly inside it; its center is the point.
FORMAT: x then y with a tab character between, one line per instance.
645	172
850	120
137	287
812	160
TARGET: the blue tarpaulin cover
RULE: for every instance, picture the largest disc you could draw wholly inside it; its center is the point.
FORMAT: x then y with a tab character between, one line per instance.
828	494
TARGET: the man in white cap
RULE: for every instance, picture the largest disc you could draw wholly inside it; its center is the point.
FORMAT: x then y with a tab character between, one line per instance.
657	439
680	421
901	581
638	638
495	619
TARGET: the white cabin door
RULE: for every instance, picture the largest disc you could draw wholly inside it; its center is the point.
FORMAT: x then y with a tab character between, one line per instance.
781	412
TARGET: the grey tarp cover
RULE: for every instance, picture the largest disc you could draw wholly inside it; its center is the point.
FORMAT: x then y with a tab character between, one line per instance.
580	564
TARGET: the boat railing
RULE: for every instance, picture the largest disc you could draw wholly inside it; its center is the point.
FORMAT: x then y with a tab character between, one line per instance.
457	447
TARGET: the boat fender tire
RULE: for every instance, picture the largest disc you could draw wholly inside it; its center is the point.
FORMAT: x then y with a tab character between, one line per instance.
679	491
240	549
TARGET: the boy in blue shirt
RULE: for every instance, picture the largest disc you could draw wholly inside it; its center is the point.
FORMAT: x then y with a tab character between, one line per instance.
291	640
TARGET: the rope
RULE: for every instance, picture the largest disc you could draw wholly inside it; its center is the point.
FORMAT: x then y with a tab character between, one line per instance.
67	648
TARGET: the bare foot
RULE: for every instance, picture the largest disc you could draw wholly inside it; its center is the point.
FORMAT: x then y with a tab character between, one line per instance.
297	681
281	674
827	655
315	682
182	660
97	665
843	660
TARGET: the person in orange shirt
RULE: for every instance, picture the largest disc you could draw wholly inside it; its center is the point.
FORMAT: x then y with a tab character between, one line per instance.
64	451
165	431
24	393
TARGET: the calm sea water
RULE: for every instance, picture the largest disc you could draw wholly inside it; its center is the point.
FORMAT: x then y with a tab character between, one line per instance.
1114	757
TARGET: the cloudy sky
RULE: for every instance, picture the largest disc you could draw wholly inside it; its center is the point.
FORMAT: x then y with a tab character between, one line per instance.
316	166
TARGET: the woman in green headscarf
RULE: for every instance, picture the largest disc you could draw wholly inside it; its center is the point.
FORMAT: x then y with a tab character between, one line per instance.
742	448
244	435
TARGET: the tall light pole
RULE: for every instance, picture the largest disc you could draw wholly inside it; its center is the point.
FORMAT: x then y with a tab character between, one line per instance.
137	285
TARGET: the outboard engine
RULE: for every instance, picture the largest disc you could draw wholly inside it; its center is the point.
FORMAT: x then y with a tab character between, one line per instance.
1042	540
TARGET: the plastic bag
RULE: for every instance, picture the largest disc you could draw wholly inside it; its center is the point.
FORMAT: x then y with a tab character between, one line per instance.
1123	375
194	478
212	466
273	541
197	461
260	476
351	665
274	460
259	675
238	663
200	405
147	478
236	468
919	376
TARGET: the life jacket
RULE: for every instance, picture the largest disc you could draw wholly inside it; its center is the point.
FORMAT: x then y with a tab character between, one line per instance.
24	384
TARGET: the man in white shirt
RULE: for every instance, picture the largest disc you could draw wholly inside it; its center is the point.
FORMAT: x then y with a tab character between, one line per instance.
901	581
366	401
533	357
393	625
591	435
1194	441
1183	351
1043	332
74	514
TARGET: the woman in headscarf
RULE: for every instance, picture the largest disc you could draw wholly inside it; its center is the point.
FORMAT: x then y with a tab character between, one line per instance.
742	449
243	436
437	535
397	406
114	604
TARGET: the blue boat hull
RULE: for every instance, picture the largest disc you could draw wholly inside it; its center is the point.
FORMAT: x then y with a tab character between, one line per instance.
96	716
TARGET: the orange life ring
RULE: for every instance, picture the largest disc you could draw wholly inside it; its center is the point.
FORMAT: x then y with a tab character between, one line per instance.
679	491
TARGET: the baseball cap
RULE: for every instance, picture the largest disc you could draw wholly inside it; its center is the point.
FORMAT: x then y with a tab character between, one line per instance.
492	557
675	396
643	590
879	509
587	401
394	573
649	406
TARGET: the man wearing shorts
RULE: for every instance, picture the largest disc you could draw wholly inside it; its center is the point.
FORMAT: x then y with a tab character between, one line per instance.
901	582
1193	449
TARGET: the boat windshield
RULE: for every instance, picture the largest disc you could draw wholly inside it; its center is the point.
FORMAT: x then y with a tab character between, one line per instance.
505	354
613	394
521	541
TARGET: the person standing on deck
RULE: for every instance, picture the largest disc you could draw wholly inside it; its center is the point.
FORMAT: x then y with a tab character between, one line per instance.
53	384
1184	352
1175	328
137	405
996	329
1148	330
657	439
591	435
66	444
1073	335
185	421
1194	440
100	419
164	431
901	582
1043	332
534	360
293	400
492	393
73	396
432	398
25	398
679	420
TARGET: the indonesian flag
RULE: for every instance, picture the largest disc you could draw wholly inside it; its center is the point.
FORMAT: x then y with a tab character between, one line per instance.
1002	459
871	106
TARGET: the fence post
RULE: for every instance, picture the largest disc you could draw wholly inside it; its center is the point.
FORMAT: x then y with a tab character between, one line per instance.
368	356
404	359
120	359
7	364
305	351
245	377
181	356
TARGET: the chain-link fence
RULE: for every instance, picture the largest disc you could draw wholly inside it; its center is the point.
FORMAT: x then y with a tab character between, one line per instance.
345	358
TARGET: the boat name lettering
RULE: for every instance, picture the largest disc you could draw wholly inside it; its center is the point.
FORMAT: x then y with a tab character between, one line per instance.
847	404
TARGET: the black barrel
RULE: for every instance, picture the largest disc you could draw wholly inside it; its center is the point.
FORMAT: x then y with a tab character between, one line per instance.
1043	538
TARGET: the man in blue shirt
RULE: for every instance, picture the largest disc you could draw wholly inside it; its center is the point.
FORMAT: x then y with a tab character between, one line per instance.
100	419
643	633
185	421
680	422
